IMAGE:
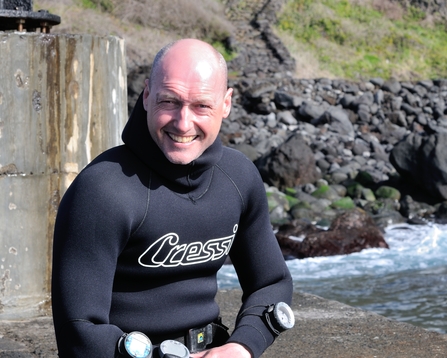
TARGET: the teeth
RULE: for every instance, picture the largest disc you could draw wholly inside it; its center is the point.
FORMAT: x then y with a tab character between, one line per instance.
181	139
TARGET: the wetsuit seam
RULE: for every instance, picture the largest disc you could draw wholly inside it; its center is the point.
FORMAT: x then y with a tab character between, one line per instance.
235	186
147	205
206	188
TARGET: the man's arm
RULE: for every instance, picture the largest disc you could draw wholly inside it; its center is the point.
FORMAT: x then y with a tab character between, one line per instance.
87	241
259	263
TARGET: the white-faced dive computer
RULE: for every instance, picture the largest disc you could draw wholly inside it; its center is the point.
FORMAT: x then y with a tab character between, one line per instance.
135	345
171	348
279	317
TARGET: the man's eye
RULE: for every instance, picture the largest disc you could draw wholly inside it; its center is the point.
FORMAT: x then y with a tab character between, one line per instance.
168	103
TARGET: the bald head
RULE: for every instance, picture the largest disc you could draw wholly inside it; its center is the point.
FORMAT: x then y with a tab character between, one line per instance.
197	53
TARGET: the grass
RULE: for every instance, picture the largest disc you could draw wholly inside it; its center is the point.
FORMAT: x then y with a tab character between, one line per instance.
363	39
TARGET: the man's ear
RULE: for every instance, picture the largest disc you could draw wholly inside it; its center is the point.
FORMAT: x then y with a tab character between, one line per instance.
146	94
227	103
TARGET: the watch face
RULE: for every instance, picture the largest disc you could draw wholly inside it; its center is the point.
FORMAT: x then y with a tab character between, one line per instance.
138	345
175	348
284	315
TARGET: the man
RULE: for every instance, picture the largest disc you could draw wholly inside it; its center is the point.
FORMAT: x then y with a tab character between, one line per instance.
143	230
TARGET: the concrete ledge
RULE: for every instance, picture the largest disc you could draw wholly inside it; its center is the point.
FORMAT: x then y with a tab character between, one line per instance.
323	328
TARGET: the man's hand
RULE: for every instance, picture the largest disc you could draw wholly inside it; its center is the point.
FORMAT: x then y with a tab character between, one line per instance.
232	350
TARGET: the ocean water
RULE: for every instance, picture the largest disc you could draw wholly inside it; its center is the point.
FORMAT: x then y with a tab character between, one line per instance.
407	282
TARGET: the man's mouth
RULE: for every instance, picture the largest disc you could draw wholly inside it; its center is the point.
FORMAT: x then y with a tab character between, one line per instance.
181	139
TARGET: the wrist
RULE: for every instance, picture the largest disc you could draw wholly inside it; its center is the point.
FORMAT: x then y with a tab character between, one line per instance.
240	350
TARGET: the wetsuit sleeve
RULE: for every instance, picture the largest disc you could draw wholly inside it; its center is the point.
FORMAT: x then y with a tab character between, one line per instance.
262	272
90	232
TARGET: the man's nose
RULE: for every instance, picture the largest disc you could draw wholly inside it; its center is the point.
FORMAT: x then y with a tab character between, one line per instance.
184	120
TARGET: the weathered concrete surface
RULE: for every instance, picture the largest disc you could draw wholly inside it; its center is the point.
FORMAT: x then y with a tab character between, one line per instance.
323	329
62	102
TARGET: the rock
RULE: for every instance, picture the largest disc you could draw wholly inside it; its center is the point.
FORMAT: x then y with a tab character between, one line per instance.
377	81
388	192
350	232
345	203
411	209
338	121
387	217
392	86
326	192
284	100
366	99
309	111
250	152
278	205
289	165
441	212
286	117
424	160
368	195
290	236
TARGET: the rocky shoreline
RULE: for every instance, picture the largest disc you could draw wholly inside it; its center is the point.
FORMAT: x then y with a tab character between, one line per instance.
340	159
327	147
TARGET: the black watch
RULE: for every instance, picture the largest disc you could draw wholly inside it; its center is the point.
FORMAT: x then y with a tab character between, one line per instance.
135	345
279	317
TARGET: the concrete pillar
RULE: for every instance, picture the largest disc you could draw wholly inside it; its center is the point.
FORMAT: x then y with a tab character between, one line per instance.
63	100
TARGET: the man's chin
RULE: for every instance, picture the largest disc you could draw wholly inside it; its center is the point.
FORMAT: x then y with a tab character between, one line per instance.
182	154
181	158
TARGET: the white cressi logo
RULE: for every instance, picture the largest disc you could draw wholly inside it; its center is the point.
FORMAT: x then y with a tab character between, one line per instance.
185	254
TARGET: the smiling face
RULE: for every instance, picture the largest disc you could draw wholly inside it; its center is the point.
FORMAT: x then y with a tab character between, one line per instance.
186	101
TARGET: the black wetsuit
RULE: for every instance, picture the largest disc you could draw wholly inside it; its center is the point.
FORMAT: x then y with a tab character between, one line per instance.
139	240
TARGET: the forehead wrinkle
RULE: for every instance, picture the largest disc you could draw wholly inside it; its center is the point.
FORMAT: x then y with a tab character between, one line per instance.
185	92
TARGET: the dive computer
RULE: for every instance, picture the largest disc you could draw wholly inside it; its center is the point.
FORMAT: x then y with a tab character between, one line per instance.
279	317
171	348
135	345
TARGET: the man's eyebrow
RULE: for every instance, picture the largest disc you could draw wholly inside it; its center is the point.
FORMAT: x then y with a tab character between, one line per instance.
173	96
167	95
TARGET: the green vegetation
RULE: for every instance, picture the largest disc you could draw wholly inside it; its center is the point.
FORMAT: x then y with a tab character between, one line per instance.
226	53
106	5
321	191
388	192
343	203
374	39
88	4
292	200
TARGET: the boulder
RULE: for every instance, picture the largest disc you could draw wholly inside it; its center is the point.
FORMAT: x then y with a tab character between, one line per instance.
351	231
423	159
289	165
337	119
